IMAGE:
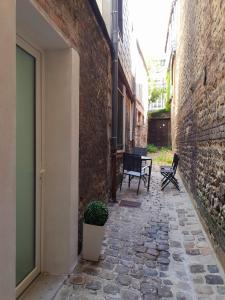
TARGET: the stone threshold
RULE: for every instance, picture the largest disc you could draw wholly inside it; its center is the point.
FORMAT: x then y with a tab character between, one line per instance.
44	287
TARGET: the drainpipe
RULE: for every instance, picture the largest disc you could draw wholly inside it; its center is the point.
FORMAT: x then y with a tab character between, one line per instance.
114	95
134	110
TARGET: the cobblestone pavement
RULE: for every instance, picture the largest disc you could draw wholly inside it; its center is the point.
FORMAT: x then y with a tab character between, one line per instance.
156	251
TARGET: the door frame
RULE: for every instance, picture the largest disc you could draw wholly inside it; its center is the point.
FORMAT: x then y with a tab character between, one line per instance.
39	170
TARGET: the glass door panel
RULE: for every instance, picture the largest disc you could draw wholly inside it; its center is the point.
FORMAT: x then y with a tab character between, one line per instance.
25	164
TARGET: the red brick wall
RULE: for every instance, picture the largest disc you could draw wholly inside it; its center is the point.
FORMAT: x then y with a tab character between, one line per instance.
76	21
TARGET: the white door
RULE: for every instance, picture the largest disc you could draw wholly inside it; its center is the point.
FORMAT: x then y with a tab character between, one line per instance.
28	164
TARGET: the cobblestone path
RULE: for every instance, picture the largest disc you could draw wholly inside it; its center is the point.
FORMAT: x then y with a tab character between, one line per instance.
156	251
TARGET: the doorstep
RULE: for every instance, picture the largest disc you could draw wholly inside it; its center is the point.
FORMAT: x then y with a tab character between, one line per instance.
45	287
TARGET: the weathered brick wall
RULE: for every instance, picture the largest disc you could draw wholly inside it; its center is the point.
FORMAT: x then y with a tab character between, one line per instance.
128	142
141	128
141	136
76	21
199	126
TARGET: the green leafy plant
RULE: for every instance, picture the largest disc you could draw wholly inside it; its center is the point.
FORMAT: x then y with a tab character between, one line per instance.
156	93
167	149
96	213
158	113
164	156
168	92
152	148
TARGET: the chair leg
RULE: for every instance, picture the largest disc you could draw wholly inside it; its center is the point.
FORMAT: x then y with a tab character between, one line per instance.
164	175
177	187
150	170
121	182
175	183
168	179
129	181
166	182
138	185
149	177
144	179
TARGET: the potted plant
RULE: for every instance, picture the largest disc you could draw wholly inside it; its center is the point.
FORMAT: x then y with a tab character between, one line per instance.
95	217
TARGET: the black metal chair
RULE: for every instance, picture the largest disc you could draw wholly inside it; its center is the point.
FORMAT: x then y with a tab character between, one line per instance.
132	166
169	172
140	151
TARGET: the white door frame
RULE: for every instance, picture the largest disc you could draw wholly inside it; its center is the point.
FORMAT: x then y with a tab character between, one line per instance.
38	159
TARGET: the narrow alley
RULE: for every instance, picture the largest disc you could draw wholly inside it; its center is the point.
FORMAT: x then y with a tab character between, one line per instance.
91	92
158	250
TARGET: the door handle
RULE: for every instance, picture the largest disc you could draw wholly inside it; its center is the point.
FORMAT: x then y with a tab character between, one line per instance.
42	172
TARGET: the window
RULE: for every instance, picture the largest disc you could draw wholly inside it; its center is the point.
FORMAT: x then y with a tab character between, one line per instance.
120	121
159	104
120	17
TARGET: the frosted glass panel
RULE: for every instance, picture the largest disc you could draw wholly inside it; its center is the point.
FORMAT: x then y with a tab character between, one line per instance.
25	164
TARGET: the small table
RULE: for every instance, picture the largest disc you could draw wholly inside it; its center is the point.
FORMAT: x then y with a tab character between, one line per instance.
145	158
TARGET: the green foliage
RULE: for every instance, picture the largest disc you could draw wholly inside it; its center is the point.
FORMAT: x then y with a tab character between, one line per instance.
168	91
164	157
165	149
152	148
96	213
157	113
168	86
167	106
156	93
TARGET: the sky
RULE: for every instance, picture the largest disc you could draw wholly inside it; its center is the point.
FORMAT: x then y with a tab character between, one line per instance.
151	19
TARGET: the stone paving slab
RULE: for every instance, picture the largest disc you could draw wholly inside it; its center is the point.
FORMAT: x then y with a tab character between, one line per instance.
43	288
156	251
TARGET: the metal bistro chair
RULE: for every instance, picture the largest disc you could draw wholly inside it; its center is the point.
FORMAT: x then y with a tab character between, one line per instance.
132	166
169	173
140	151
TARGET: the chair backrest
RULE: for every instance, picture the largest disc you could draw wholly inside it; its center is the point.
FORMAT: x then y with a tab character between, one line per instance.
140	151
131	162
175	162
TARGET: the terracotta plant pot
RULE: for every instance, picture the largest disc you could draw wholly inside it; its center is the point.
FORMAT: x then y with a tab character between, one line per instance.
92	241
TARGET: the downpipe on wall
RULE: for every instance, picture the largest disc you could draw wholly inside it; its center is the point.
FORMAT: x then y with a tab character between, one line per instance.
114	97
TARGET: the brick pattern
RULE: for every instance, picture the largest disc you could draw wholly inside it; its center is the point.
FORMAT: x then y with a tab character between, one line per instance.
77	22
199	111
141	129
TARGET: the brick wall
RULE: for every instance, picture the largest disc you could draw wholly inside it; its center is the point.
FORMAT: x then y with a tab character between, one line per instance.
128	141
199	111
141	129
76	21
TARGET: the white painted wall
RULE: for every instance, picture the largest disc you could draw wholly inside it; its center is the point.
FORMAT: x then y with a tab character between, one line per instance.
62	147
105	7
7	149
99	2
61	134
140	74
